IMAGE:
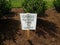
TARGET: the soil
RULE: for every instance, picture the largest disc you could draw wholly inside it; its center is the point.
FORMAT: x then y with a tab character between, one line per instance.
47	32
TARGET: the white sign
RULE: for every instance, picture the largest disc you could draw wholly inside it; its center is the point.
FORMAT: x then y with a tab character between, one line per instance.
28	21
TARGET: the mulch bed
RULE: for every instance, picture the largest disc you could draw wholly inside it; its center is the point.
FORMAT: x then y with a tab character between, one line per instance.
47	32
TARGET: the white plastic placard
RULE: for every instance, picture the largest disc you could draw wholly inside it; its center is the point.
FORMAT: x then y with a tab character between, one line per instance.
28	21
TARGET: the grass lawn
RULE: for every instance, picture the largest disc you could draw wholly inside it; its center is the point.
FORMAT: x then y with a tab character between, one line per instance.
18	3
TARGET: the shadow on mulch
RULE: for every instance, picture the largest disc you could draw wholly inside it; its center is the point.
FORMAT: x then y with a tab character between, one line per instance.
30	42
8	29
44	15
45	27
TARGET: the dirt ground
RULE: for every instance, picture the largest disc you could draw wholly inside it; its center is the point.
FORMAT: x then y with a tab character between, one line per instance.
47	32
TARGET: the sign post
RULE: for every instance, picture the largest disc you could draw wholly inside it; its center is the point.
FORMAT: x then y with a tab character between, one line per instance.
28	22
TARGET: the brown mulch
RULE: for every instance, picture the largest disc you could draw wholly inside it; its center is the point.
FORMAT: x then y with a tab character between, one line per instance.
44	34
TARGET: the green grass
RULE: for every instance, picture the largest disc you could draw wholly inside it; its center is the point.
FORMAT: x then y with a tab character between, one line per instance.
16	3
